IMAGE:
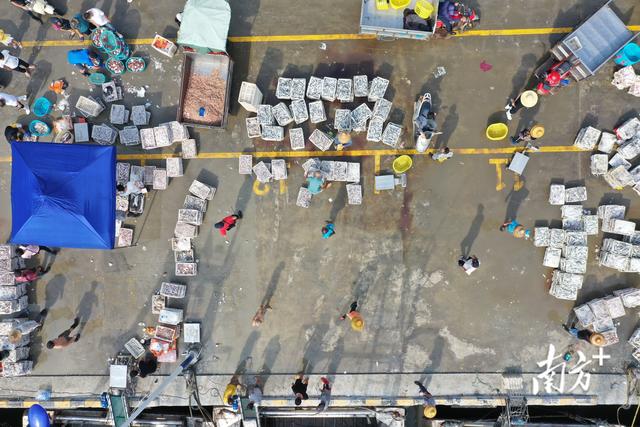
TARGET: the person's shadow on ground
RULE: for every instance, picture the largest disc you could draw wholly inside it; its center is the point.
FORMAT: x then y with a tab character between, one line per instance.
514	199
474	230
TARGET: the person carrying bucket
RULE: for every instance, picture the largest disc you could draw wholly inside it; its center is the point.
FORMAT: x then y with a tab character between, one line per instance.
516	229
429	410
357	323
526	99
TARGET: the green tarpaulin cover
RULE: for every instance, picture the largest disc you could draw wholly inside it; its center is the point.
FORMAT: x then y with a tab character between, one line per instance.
205	25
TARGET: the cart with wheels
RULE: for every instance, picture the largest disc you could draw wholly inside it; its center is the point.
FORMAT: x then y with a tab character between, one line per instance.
592	44
388	23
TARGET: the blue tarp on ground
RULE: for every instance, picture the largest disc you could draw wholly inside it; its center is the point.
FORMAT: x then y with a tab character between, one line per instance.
63	195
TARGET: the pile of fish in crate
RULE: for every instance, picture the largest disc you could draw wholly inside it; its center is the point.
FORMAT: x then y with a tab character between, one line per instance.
626	78
622	254
270	121
130	121
13	301
599	315
190	217
567	250
620	169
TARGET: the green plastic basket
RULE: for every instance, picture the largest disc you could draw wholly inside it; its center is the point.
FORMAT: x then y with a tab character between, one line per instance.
97	78
111	70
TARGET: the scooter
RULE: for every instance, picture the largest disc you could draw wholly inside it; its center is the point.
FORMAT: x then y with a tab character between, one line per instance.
424	124
467	18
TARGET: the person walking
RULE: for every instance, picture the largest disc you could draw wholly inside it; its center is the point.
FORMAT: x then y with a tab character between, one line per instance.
255	394
328	230
516	229
429	410
526	99
227	223
8	40
299	388
230	396
65	339
357	323
13	63
27	275
469	264
325	394
258	318
19	102
29	8
442	155
29	251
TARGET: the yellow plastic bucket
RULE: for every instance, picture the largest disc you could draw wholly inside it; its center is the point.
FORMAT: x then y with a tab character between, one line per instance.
399	4
402	164
423	9
497	131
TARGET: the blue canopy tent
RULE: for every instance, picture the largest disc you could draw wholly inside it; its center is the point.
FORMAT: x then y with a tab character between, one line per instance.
63	195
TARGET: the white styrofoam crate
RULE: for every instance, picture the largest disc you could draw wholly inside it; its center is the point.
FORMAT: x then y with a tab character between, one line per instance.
250	96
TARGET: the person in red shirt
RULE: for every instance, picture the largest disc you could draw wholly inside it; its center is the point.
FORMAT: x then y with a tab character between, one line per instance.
29	274
227	224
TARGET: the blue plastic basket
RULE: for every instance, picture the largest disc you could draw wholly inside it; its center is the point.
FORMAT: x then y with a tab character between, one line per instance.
629	55
41	107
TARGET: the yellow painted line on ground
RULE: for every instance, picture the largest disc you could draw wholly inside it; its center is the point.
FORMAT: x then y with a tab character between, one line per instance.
515	32
323	37
301	38
499	163
376	171
344	153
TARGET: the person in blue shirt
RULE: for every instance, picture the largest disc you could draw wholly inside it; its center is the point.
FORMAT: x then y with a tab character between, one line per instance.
84	59
81	25
516	229
328	230
316	182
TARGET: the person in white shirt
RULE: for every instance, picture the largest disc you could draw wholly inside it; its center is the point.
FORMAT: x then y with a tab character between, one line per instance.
96	17
14	101
10	62
29	251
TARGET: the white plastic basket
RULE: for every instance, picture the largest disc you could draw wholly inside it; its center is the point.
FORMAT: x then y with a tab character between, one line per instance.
250	96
